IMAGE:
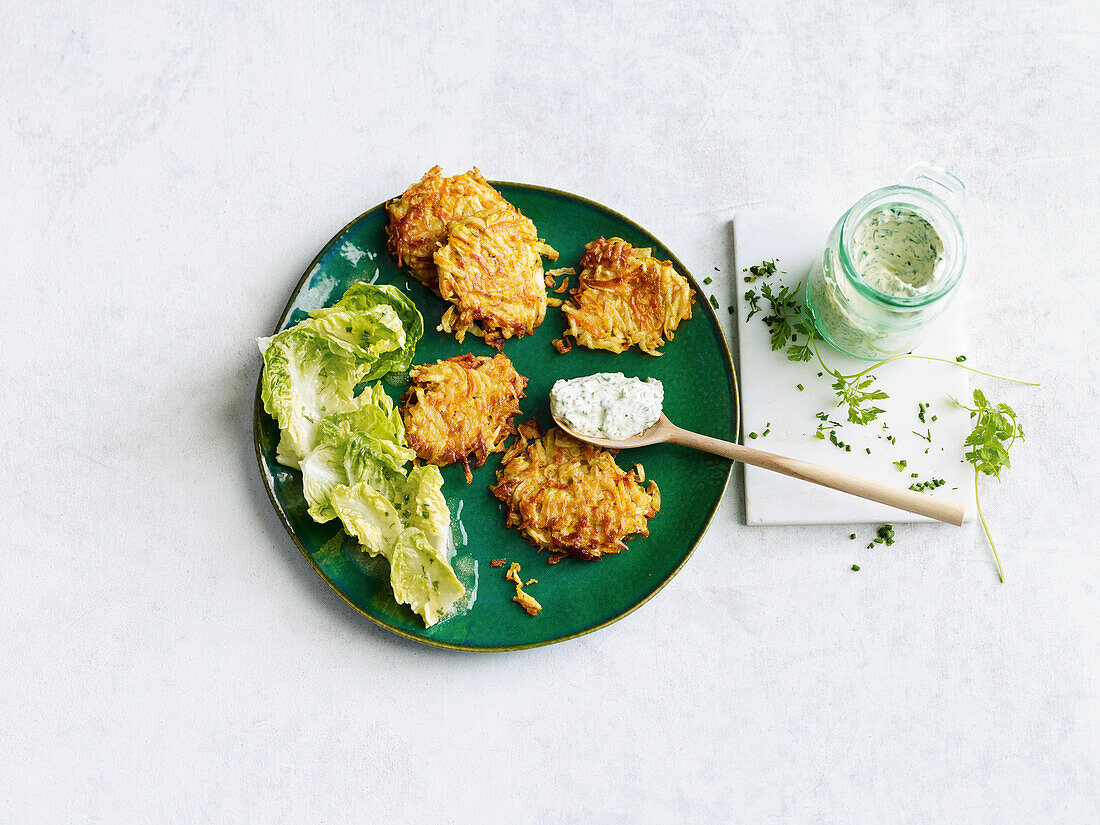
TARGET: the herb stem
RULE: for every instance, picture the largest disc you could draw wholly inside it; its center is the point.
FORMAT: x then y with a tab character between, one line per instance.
820	360
943	361
988	535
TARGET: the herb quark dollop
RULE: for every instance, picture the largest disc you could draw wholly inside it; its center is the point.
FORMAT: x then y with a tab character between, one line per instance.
608	404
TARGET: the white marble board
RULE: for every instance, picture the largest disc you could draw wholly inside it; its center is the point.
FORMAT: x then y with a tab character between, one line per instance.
771	399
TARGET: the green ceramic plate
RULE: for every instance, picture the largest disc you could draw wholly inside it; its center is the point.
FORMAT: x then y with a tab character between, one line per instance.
577	597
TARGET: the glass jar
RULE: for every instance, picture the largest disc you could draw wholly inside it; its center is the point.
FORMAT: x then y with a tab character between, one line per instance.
858	315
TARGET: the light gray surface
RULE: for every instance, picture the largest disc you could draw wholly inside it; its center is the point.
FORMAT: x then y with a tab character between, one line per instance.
167	173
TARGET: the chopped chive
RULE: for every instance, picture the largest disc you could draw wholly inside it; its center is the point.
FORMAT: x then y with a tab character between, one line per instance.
852	536
800	388
708	280
855	567
714	302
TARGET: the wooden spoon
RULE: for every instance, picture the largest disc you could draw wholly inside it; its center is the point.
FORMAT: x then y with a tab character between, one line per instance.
664	431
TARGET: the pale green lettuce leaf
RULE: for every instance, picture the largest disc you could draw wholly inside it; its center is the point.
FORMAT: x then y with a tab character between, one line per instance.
364	444
427	510
352	451
421	578
303	381
397	325
357	473
375	332
311	370
368	516
322	472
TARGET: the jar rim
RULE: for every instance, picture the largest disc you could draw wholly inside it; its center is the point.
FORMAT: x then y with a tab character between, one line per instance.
930	207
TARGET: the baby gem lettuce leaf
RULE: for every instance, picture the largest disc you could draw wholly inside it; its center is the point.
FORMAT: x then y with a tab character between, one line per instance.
365	444
427	510
356	472
311	370
304	380
421	578
352	450
379	320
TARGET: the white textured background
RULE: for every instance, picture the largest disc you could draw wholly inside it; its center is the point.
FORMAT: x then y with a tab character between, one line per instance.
166	173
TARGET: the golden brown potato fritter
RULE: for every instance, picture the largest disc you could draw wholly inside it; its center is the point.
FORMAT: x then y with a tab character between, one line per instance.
418	219
625	296
491	270
570	497
460	407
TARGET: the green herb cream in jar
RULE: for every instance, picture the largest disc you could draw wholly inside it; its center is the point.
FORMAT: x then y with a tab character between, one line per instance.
890	266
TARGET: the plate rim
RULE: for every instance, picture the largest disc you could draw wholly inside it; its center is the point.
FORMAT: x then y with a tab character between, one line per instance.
731	374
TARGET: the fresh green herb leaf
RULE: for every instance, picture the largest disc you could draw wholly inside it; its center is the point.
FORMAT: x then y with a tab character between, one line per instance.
760	270
784	309
996	429
754	303
856	395
929	484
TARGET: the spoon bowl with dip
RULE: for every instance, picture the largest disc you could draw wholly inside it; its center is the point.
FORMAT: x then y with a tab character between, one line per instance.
617	388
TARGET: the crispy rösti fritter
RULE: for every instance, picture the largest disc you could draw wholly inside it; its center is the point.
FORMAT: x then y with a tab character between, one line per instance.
419	218
570	497
491	270
624	297
461	407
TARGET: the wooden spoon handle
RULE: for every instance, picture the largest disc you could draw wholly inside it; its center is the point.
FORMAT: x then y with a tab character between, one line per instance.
936	508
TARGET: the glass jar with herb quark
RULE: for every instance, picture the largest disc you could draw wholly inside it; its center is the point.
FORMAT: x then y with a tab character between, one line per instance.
890	266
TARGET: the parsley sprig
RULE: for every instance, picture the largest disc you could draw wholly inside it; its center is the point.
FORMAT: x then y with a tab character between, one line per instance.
996	429
856	395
